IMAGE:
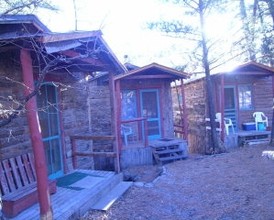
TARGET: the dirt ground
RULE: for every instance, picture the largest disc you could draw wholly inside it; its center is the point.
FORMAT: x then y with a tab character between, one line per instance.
235	185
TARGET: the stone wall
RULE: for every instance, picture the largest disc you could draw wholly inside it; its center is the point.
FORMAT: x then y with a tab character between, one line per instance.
195	96
86	110
14	137
167	110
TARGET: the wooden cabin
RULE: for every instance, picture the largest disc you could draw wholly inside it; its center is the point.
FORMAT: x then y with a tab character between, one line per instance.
55	120
237	95
143	103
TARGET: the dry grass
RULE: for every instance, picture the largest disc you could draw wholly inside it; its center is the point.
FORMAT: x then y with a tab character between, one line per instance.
235	185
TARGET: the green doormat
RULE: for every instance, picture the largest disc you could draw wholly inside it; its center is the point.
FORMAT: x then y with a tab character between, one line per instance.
69	179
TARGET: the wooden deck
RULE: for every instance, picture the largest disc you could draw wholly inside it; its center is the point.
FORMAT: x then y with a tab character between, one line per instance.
74	200
253	137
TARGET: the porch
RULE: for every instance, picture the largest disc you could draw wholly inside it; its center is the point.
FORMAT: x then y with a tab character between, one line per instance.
242	138
80	191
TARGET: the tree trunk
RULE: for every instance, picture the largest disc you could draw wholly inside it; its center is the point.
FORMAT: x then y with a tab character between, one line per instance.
248	29
215	148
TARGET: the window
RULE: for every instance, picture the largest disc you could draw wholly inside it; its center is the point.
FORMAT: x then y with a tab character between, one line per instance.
129	104
245	97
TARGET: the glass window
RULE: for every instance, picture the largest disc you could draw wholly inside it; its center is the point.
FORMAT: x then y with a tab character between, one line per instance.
129	105
245	97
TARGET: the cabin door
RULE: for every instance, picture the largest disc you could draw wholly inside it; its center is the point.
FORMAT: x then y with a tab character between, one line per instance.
50	125
230	107
150	109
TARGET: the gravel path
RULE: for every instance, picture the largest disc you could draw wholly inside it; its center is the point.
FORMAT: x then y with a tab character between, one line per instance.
235	185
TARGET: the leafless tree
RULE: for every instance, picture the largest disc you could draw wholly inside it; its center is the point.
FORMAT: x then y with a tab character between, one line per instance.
24	6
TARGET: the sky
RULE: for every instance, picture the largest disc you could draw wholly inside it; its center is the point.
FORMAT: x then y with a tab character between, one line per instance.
124	27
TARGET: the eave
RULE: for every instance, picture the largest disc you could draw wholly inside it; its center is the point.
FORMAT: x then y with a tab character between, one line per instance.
153	71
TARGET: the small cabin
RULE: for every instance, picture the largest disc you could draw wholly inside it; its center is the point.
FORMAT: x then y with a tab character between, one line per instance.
237	95
143	101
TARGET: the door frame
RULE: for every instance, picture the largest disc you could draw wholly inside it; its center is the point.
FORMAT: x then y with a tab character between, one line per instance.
59	137
153	137
235	98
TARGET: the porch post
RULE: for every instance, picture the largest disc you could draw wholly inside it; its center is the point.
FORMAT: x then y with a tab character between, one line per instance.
184	110
36	138
116	129
119	106
222	108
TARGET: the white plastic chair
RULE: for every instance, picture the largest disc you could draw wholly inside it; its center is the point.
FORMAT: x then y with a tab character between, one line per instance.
125	132
260	117
227	123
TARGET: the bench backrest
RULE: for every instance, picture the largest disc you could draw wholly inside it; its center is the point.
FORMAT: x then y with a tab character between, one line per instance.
16	172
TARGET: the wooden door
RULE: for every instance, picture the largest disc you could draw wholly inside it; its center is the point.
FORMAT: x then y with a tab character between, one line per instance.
150	109
230	104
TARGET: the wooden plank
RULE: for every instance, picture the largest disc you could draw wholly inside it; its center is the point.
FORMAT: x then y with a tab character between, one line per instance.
9	176
95	138
16	175
96	154
32	167
168	151
22	171
28	168
171	158
3	181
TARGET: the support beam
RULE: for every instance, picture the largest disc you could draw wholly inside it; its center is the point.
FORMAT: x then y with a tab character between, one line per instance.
185	124
222	107
36	138
115	128
118	113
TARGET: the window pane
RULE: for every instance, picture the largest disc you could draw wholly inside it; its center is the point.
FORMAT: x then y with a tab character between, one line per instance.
129	109
245	97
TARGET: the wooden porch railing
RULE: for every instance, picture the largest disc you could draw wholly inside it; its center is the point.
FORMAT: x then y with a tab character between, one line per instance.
76	153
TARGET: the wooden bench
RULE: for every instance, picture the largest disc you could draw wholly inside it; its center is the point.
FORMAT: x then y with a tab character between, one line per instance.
18	184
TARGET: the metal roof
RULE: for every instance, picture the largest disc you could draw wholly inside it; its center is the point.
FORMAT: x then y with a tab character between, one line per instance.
24	19
81	43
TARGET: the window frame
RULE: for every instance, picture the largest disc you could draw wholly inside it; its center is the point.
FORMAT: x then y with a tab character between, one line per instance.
243	105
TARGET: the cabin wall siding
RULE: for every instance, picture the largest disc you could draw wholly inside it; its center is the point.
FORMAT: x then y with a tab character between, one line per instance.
262	96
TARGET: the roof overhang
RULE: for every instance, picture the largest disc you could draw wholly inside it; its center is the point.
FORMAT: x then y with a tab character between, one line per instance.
250	68
153	71
86	48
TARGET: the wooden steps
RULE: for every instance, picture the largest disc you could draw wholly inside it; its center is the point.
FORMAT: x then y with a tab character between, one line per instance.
105	202
165	150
